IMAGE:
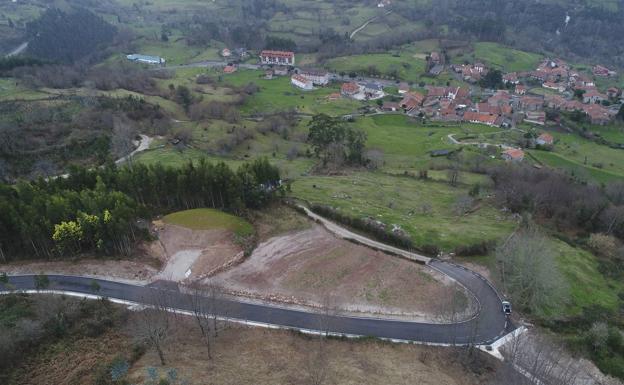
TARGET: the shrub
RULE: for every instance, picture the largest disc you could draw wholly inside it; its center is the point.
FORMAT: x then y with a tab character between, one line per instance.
603	244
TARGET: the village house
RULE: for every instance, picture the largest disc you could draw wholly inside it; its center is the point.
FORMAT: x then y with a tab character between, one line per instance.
240	52
318	77
412	100
145	59
333	96
225	52
480	118
545	139
403	88
597	114
531	103
350	89
301	82
536	117
520	89
602	71
555	101
573	105
500	98
269	57
613	92
559	87
511	78
281	71
435	92
593	96
471	73
513	155
390	106
228	69
373	90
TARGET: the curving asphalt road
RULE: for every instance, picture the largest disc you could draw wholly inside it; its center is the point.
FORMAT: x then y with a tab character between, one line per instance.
485	328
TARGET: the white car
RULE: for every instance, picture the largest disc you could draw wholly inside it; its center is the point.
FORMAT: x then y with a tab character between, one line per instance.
507	307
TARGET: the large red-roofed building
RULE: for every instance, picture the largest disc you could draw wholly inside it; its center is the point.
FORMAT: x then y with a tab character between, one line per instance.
277	57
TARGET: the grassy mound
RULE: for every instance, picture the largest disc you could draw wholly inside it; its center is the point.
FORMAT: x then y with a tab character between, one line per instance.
209	219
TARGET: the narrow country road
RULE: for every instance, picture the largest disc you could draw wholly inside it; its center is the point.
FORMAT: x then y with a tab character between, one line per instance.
142	145
366	23
486	327
21	48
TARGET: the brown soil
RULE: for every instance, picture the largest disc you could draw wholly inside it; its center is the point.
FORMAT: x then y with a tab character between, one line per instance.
140	270
312	267
215	248
259	356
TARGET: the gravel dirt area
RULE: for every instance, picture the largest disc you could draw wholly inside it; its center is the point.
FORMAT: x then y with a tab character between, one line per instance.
137	272
191	254
312	267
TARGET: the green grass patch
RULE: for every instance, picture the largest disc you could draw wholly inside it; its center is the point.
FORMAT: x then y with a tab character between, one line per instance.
401	201
506	58
587	286
210	219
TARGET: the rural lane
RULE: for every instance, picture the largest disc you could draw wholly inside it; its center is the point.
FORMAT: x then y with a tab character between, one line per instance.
488	325
485	328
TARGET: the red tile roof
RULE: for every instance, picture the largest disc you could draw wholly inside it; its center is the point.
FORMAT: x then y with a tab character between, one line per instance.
350	88
281	54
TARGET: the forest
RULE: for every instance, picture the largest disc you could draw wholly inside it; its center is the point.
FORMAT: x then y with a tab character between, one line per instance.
100	210
68	37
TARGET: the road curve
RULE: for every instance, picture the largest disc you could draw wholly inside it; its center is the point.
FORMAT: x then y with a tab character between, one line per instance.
485	328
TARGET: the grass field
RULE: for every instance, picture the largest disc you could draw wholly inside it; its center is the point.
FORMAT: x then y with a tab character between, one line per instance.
209	219
400	200
405	144
278	94
502	57
406	62
584	158
586	284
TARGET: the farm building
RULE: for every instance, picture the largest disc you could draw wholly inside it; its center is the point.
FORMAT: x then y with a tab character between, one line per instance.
277	57
319	78
301	82
373	90
145	59
545	140
350	89
513	155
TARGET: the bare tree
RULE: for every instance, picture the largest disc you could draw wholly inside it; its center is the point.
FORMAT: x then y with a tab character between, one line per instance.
153	325
201	314
122	142
317	360
532	359
529	271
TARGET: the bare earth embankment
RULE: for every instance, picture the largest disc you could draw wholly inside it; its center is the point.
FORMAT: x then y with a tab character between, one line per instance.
313	267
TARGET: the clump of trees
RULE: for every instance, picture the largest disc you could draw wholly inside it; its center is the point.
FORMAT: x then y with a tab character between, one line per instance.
565	202
335	142
97	210
68	36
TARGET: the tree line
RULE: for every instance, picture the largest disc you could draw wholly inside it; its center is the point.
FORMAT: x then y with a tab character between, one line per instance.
100	210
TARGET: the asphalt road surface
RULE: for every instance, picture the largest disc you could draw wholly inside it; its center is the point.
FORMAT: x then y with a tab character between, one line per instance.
486	327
